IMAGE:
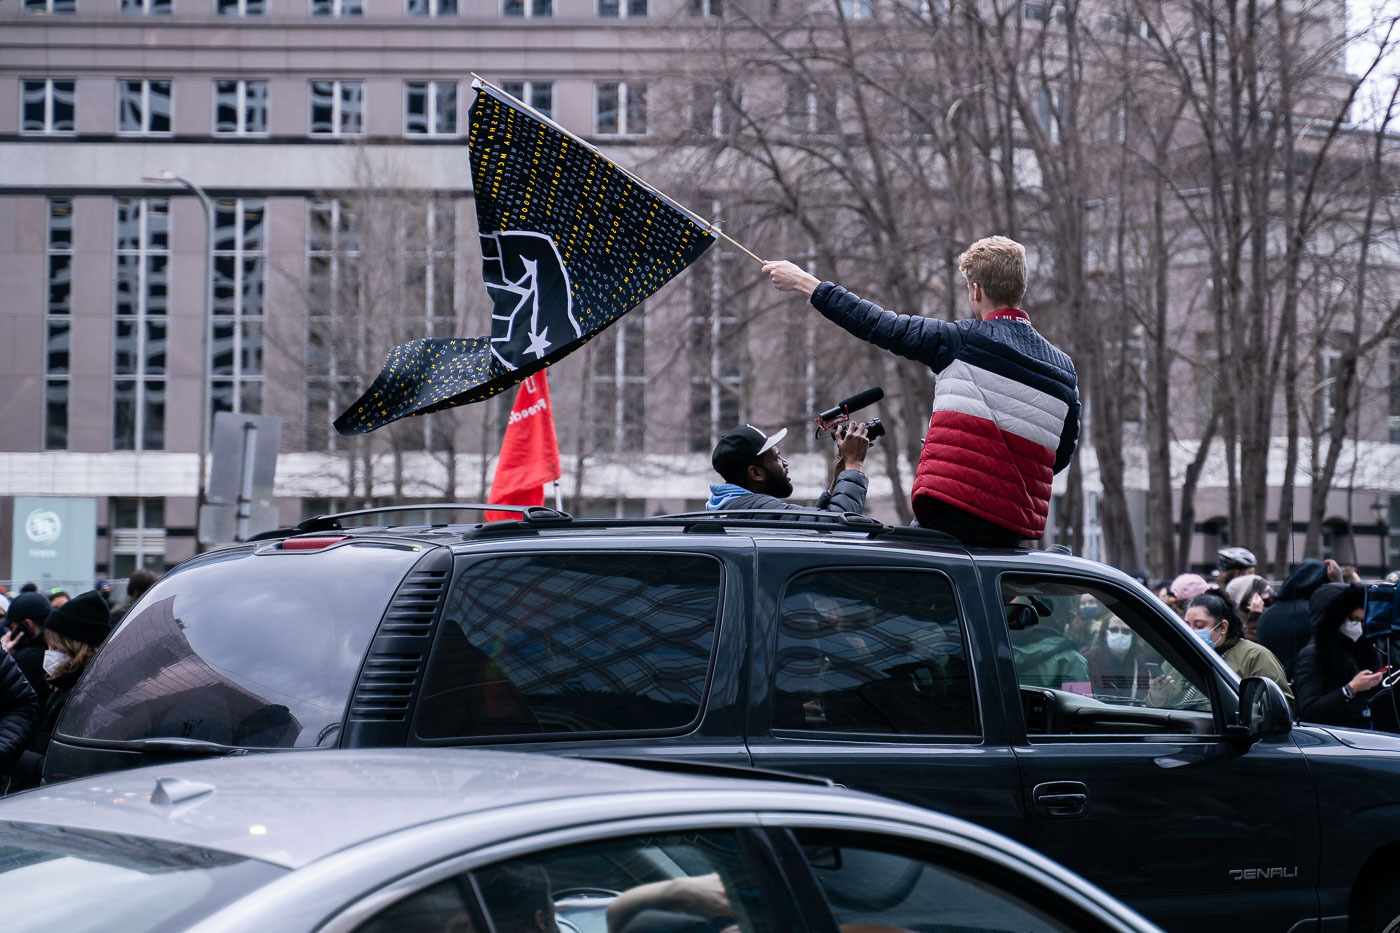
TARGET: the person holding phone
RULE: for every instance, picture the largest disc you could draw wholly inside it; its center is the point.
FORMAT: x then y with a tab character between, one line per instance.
1339	674
1118	665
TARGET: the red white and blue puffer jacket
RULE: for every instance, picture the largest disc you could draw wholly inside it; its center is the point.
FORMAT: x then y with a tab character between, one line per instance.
1005	406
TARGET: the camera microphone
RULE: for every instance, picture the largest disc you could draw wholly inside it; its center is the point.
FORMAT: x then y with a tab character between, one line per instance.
854	403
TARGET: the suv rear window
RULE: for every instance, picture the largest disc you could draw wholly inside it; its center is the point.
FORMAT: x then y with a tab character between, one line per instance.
569	643
259	651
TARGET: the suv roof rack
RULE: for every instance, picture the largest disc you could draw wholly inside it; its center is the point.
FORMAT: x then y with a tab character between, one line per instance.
530	514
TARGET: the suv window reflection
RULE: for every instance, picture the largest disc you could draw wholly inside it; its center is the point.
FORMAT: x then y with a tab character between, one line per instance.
210	657
873	651
569	643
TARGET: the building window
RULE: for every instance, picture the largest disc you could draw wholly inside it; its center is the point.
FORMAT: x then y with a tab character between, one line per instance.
146	6
809	108
59	323
617	384
715	348
715	111
1050	111
333	290
48	105
337	108
857	9
621	108
240	108
629	9
50	6
538	94
337	8
430	108
143	107
432	7
242	7
527	7
240	260
142	290
1329	374
706	7
402	290
137	529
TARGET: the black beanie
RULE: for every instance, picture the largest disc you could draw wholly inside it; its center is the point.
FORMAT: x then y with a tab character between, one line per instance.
29	606
83	618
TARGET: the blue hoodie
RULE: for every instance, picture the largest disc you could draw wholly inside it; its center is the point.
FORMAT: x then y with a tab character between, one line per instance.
848	496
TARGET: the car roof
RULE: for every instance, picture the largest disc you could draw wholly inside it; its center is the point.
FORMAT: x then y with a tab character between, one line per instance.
292	808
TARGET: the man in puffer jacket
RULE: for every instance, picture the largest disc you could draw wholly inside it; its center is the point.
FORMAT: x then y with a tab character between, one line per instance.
756	475
1005	403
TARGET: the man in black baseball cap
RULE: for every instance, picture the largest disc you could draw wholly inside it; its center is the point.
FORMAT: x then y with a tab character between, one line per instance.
756	474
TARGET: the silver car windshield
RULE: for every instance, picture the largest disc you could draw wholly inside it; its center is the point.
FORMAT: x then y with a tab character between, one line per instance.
58	878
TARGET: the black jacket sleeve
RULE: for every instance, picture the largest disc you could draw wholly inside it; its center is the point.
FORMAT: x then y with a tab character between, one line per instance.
925	340
1316	703
848	495
19	710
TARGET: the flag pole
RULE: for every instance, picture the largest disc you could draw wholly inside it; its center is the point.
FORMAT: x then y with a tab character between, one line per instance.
710	227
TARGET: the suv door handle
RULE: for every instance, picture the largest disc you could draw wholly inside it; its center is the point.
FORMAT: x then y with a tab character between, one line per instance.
1062	799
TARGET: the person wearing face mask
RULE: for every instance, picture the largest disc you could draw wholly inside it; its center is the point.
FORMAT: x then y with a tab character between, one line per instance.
1117	665
72	634
1214	621
1338	673
1083	629
1250	595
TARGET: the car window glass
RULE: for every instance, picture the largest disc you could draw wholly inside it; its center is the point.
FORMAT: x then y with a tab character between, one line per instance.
684	882
57	878
1081	639
567	643
867	883
259	651
438	908
877	651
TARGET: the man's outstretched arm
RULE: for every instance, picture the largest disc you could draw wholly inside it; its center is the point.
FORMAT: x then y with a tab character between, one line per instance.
925	340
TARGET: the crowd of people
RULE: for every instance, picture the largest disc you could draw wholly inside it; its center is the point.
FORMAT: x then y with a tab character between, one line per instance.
46	644
1307	635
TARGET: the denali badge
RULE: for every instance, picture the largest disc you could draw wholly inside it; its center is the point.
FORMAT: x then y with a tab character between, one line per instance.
1260	874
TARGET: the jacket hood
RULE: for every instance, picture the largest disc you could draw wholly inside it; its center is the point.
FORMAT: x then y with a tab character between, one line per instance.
1330	605
1304	580
1041	644
720	493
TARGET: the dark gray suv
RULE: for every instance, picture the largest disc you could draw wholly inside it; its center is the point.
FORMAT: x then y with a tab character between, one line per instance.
887	659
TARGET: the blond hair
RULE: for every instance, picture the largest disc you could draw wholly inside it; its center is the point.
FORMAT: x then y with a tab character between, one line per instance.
79	653
998	264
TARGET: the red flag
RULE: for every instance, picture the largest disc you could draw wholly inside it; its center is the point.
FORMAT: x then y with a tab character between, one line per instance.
529	453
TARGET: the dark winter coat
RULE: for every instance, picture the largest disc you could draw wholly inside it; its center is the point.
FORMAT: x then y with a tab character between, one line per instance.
1285	628
848	495
1005	406
1330	660
19	710
30	767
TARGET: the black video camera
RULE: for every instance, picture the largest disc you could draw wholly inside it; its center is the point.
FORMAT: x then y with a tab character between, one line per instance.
830	421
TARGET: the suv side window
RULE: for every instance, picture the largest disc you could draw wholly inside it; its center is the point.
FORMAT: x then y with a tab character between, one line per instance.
572	643
1080	638
873	651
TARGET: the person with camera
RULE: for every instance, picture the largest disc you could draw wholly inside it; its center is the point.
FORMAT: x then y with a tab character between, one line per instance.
1005	401
756	474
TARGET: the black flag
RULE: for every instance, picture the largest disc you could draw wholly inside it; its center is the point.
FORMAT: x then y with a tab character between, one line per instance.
569	243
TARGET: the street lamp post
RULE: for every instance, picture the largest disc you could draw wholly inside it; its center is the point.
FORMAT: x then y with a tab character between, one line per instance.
170	178
1380	510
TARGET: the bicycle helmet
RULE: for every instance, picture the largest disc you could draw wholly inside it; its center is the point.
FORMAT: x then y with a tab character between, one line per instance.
1236	558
